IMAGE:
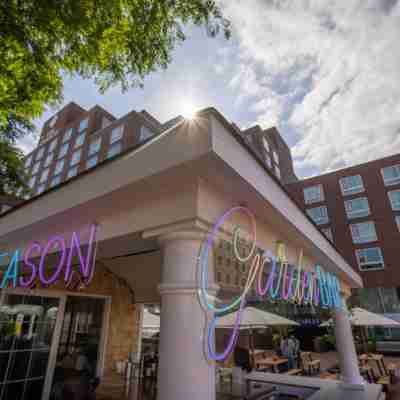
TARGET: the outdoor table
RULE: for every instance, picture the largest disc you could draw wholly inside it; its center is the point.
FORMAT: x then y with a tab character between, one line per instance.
272	362
328	375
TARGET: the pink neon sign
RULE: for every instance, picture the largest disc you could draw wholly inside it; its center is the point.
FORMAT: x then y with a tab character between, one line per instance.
24	272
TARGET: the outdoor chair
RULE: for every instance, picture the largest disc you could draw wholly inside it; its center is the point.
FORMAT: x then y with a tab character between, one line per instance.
309	366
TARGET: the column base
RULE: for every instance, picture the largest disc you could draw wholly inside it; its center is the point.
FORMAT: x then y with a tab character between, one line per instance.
352	386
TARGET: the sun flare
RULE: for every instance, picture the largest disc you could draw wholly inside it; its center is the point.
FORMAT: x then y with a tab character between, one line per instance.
188	110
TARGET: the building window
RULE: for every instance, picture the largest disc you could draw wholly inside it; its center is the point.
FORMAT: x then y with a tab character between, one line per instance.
91	162
391	175
59	167
351	185
398	221
52	145
268	161
319	215
80	140
83	124
278	172
76	157
357	208
328	233
95	146
116	134
44	176
35	168
67	135
313	194
48	159
55	181
28	162
114	150
39	154
145	133
32	182
41	188
53	121
370	259
363	232
265	144
394	197
72	172
276	157
105	122
63	150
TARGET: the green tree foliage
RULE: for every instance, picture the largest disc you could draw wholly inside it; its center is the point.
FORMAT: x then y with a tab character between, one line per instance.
115	42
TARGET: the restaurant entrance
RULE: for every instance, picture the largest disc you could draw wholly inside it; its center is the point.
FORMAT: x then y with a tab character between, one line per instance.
49	343
29	332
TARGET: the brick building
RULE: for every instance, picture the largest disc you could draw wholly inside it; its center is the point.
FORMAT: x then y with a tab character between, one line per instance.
358	209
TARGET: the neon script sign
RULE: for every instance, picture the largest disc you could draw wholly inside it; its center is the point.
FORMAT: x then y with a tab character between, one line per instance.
26	274
283	282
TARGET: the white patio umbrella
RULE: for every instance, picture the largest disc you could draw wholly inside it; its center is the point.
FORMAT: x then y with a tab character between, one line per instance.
364	318
361	317
253	318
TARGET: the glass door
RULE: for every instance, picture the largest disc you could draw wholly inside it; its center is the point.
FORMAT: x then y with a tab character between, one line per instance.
30	326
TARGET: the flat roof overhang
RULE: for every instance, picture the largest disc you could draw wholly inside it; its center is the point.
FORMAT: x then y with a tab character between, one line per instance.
206	148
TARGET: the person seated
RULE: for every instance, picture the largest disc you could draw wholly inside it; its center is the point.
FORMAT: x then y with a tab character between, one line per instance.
242	359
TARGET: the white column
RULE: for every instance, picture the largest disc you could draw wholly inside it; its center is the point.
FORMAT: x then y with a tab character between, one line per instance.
183	372
346	348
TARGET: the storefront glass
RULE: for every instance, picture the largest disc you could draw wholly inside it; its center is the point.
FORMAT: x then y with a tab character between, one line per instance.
27	324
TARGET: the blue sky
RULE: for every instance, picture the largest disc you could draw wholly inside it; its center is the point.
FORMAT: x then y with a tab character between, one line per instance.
326	73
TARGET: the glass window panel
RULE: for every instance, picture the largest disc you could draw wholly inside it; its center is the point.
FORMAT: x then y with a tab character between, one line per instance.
319	215
68	134
313	194
76	157
268	161
276	157
363	232
39	154
55	181
95	146
44	176
53	145
72	172
370	258
278	172
41	188
59	167
394	197
91	162
356	208
63	150
32	182
35	168
83	124
145	133
391	175
116	134
265	144
80	140
48	159
351	185
114	149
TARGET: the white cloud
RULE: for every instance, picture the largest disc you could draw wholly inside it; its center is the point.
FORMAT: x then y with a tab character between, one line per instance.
328	70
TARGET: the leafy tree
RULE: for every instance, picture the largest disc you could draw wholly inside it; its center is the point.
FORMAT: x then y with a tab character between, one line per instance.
116	42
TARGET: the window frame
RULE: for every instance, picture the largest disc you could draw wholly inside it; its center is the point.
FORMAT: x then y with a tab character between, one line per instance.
74	167
45	171
72	162
366	213
67	135
96	157
60	151
116	144
46	163
393	181
321	193
113	139
52	145
56	178
148	135
85	122
397	220
382	262
61	162
266	145
391	201
98	142
78	142
353	190
323	221
362	241
40	153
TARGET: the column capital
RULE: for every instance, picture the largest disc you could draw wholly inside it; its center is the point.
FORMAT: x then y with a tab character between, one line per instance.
193	229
